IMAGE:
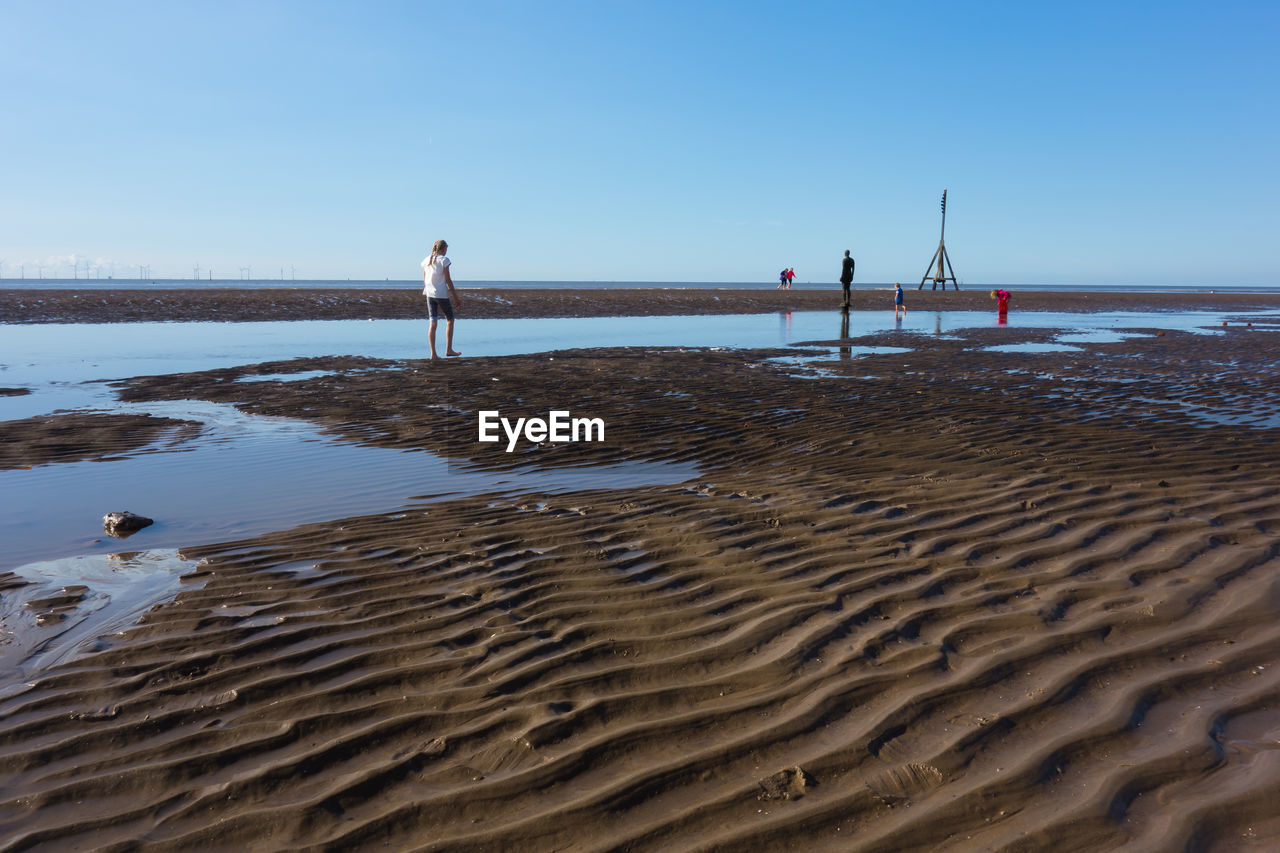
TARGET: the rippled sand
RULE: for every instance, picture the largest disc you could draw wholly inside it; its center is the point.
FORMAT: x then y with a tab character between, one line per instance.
942	599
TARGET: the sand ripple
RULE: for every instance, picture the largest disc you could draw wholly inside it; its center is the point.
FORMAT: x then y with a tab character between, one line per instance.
994	622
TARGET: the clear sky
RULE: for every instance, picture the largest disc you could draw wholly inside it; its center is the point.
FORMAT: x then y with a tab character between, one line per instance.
1094	142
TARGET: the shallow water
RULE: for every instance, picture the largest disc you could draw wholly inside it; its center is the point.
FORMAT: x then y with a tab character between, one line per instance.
70	603
1033	347
247	475
830	353
53	359
42	283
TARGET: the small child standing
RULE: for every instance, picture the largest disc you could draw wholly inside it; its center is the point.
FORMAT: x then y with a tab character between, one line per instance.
898	305
1002	301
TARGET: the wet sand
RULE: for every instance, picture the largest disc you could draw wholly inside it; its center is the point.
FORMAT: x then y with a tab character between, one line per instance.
944	599
72	437
244	305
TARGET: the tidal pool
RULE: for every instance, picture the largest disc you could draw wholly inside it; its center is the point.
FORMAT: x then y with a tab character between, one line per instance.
54	359
246	475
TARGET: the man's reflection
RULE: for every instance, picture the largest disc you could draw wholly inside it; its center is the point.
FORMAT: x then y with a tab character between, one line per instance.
845	350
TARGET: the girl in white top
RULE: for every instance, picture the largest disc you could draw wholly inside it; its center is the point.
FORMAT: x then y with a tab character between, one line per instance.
442	298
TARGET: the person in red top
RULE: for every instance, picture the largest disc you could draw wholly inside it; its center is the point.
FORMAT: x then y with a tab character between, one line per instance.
1002	301
791	276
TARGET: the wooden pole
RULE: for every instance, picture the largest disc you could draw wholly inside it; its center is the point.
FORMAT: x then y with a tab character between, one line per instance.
940	263
929	269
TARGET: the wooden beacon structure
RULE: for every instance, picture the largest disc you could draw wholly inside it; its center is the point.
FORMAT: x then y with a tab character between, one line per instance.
935	269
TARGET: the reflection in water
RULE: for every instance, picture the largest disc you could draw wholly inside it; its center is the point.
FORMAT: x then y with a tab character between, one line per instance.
1002	320
68	604
245	475
53	359
845	351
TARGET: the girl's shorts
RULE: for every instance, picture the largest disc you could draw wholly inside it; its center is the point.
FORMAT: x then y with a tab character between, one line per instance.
436	307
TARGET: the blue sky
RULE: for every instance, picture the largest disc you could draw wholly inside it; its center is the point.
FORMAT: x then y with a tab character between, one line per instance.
1107	142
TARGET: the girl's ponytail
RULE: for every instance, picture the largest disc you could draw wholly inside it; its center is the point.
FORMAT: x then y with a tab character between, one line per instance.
437	250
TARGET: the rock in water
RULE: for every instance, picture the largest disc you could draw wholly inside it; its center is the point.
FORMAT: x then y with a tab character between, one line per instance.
122	524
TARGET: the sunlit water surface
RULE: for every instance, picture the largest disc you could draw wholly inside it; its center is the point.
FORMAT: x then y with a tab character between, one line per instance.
248	475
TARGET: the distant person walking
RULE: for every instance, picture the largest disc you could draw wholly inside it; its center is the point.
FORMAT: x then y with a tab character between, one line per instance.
1002	301
782	280
846	278
442	298
791	276
898	305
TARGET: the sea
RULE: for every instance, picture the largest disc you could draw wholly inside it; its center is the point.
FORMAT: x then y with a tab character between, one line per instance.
399	284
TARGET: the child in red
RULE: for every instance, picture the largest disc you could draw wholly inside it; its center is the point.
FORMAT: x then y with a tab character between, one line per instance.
1002	301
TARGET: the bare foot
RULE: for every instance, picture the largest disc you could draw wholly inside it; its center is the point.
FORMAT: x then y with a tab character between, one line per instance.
435	357
452	352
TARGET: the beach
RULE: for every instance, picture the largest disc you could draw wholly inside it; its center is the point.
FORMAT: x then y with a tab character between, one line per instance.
69	305
975	590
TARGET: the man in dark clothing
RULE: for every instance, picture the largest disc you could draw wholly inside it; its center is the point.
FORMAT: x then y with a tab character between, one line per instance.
846	278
